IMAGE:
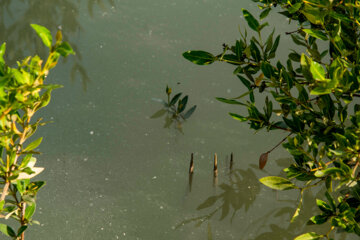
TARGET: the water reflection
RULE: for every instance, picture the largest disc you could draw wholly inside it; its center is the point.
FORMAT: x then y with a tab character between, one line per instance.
240	192
16	16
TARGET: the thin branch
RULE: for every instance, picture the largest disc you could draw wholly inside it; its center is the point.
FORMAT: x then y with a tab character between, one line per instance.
283	140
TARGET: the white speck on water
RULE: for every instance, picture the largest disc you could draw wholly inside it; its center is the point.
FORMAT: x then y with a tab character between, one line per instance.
91	204
161	207
202	156
117	237
249	187
154	177
228	91
102	229
58	159
85	159
101	46
124	234
91	132
146	134
106	179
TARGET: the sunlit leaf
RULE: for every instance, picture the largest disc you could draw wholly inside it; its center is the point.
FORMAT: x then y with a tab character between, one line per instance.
316	33
7	230
44	34
277	183
308	236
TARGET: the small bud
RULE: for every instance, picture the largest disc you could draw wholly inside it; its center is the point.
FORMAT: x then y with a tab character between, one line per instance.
58	36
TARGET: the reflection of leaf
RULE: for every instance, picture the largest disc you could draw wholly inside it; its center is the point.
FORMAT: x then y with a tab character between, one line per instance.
189	112
225	209
209	232
208	202
159	113
168	122
77	68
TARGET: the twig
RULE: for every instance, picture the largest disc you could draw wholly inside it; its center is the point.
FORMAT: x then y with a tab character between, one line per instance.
284	139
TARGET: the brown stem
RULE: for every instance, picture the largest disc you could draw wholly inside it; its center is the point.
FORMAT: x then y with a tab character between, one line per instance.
288	33
284	139
23	209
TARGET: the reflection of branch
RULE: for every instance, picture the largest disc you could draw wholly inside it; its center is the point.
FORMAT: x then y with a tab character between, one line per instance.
201	219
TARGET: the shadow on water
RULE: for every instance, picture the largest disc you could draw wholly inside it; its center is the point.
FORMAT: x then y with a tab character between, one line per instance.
169	120
17	15
240	191
238	194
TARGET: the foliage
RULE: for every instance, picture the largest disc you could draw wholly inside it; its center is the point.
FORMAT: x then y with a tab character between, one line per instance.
175	108
23	93
312	96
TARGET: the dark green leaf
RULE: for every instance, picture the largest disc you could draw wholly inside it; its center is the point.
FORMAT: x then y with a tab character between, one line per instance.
175	99
64	49
265	13
294	8
199	57
238	117
7	230
229	101
252	22
21	230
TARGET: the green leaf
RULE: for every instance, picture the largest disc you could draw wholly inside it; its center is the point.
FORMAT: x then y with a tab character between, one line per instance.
229	101
199	57
252	22
331	201
297	211
29	211
64	49
274	47
2	52
323	206
238	117
277	183
317	71
316	33
33	145
175	99
7	230
43	33
294	8
318	219
21	230
308	236
265	13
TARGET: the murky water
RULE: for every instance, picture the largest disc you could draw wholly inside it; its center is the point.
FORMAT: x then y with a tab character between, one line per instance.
112	170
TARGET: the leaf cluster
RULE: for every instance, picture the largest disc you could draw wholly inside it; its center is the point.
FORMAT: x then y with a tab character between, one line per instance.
311	95
23	92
